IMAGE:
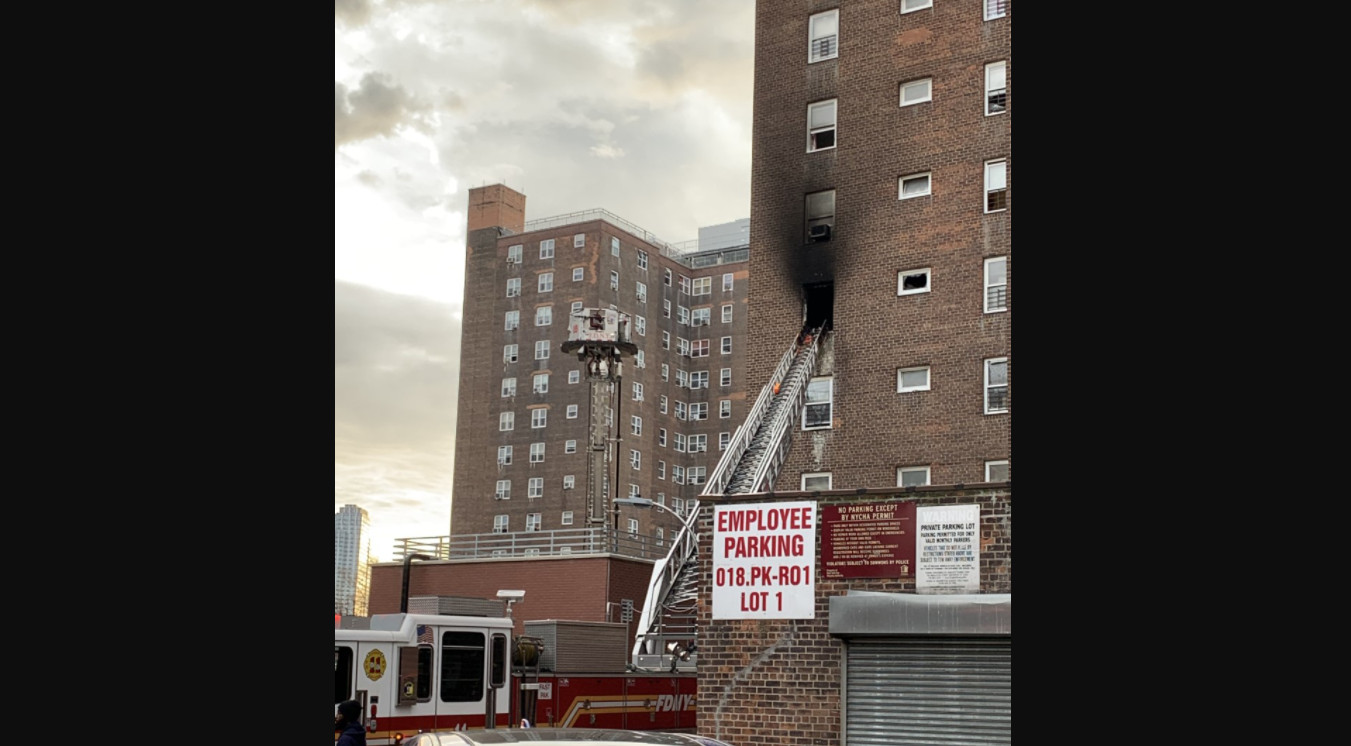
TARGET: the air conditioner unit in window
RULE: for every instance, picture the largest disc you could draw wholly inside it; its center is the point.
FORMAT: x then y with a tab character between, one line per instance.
818	233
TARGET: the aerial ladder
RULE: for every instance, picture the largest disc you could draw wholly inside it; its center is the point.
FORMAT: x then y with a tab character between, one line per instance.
667	637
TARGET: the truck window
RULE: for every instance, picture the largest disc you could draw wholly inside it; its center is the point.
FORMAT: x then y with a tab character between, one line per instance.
342	674
462	662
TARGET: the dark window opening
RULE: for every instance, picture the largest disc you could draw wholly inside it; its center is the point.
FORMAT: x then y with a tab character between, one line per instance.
462	666
916	281
819	300
342	674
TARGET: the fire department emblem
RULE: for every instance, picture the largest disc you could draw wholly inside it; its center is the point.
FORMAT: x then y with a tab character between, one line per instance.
374	665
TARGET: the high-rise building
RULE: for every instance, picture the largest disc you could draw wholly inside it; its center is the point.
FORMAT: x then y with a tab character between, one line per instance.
351	561
880	211
524	438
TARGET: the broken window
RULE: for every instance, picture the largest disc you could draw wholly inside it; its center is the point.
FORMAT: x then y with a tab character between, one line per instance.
820	210
912	281
821	126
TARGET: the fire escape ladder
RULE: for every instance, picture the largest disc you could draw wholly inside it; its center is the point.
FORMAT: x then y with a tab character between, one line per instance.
670	611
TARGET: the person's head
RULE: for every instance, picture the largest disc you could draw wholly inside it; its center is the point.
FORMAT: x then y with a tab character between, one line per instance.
350	711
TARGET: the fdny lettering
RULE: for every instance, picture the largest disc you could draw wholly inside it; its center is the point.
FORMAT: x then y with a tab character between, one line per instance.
674	702
772	519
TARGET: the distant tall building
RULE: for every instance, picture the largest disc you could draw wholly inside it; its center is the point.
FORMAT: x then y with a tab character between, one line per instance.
351	561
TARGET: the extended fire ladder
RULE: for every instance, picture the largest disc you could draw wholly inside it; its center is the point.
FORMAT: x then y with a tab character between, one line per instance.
750	463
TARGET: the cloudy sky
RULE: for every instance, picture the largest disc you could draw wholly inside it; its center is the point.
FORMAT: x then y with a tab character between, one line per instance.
639	107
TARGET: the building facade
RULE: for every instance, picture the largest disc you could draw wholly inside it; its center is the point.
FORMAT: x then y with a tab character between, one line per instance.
351	561
525	408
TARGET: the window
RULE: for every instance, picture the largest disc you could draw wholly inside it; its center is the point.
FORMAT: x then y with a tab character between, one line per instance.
578	274
677	475
504	455
566	520
572	412
499	524
726	345
816	414
727	313
666	277
641	292
699	410
699	378
679	443
642	260
503	489
532	521
698	443
666	309
703	286
536	453
912	379
640	324
682	347
544	316
569	481
997	471
908	6
821	126
546	249
820	211
685	285
996	385
661	437
662	404
569	446
640	360
536	487
682	315
546	282
636	425
513	287
661	536
635	459
633	528
614	247
912	281
996	91
823	36
726	282
637	392
539	418
509	353
914	186
579	240
514	254
700	316
542	349
912	476
540	385
917	92
506	421
574	376
724	439
508	387
513	320
699	348
666	340
696	474
575	309
661	470
614	280
726	377
996	186
995	9
996	284
682	379
678	506
680	410
724	408
816	481
665	372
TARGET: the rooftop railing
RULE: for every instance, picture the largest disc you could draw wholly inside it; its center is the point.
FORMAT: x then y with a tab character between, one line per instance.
682	251
521	544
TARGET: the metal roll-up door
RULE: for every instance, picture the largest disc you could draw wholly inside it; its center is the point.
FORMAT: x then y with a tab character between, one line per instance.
928	690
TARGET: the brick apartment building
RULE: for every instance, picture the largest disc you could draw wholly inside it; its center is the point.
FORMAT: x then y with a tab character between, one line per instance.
524	407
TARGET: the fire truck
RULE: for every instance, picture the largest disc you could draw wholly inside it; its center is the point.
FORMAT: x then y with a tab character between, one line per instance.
418	672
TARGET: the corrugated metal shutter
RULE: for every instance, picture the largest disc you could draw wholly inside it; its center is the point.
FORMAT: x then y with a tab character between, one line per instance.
928	690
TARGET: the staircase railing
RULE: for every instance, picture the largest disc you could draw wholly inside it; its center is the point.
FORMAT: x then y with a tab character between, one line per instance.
741	438
780	436
651	624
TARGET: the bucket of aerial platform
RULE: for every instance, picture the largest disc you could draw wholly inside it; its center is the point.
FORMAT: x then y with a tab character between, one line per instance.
599	330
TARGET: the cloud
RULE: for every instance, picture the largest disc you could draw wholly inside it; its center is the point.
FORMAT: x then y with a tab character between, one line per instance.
377	107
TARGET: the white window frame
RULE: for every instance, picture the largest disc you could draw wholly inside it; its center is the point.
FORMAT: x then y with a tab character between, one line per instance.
514	253
512	320
661	437
637	391
574	376
699	378
696	474
578	274
995	9
666	277
661	470
662	403
536	453
901	276
640	360
508	387
901	388
633	528
999	290
614	246
802	485
640	324
511	353
927	88
546	249
698	443
699	410
701	317
636	459
640	290
539	418
684	285
677	475
700	347
702	286
666	309
614	280
927	176
534	487
679	443
544	316
727	313
539	383
999	462
724	440
542	349
666	340
578	240
910	6
725	377
724	408
513	287
832	106
545	283
571	412
533	522
506	421
570	446
642	260
903	471
566	519
569	482
820	45
682	315
829	402
503	490
997	184
504	455
635	425
500	523
726	345
665	372
1000	69
728	282
988	386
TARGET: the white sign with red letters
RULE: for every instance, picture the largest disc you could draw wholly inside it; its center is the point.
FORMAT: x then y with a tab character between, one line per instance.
764	561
